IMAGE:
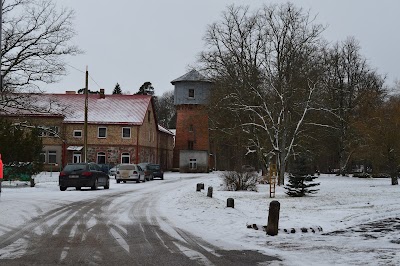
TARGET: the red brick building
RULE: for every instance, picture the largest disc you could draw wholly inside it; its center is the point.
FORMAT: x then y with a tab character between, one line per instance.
192	146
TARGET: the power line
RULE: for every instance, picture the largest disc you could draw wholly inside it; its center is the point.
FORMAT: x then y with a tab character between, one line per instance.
77	69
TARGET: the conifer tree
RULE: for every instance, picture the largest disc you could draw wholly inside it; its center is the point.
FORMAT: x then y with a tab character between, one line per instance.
117	89
301	178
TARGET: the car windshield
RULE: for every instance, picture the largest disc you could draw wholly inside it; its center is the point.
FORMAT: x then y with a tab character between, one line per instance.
75	167
127	167
154	167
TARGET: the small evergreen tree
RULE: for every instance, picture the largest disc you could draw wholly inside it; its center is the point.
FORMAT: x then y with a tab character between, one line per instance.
301	178
117	89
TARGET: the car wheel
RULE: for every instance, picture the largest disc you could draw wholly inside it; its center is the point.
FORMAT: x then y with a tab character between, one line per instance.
78	188
107	185
95	185
63	188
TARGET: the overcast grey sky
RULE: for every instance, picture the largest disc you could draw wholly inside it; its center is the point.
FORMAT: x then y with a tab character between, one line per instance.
134	41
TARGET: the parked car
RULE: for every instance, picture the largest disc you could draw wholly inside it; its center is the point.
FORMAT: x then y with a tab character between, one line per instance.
130	172
106	167
113	171
80	175
156	171
147	173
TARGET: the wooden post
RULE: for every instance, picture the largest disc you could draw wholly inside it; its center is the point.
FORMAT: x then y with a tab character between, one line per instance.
273	218
230	203
199	186
210	191
395	180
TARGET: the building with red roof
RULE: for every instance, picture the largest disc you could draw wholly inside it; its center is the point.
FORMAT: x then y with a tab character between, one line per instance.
120	129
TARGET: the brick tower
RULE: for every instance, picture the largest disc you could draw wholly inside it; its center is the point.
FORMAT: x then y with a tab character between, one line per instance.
192	148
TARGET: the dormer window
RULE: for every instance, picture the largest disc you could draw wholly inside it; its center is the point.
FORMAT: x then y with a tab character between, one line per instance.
191	93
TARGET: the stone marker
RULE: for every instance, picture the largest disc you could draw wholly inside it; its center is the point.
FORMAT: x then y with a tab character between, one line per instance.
273	218
230	203
210	191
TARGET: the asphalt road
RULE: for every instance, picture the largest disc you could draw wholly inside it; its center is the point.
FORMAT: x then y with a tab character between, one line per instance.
118	228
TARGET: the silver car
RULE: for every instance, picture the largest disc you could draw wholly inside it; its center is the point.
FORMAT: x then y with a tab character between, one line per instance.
113	171
130	172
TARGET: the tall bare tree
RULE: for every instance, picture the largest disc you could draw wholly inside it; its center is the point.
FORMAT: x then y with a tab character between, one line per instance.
349	82
269	64
36	39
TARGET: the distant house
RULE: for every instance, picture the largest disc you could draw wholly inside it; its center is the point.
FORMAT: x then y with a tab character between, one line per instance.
120	129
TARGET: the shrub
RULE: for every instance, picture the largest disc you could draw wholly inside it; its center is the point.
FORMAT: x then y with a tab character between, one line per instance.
235	181
362	175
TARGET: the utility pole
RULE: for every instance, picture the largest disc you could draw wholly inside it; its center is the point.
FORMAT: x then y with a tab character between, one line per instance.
86	114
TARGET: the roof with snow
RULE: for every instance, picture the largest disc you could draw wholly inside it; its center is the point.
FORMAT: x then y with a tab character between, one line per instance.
113	109
193	75
165	130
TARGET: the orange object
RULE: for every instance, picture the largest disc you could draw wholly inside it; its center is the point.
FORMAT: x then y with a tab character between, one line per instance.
1	168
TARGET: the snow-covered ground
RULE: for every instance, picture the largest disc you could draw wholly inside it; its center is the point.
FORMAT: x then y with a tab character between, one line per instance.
360	218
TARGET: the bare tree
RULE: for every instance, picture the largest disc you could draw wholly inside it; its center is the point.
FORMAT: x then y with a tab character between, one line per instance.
36	40
349	82
269	63
165	109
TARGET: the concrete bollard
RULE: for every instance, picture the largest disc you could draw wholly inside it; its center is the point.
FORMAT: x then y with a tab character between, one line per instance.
230	203
199	186
273	218
210	191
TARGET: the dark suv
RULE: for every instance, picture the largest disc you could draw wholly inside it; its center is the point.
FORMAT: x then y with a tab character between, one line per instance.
155	170
83	175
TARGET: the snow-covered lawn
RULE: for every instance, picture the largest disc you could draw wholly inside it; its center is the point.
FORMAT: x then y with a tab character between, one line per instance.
360	218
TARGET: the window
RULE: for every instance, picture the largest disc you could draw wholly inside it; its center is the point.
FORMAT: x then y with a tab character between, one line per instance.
125	158
192	164
102	132
126	132
101	157
77	157
52	156
190	128
77	133
191	93
42	157
190	145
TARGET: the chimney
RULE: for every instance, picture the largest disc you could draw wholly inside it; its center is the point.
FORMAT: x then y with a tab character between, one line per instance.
102	95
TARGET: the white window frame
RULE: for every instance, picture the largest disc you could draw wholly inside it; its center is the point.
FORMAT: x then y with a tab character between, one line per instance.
130	132
189	92
125	155
51	154
77	131
101	154
192	164
43	156
98	132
